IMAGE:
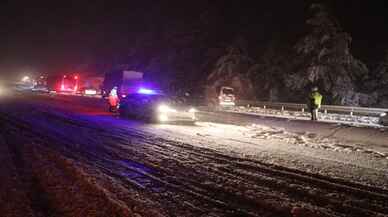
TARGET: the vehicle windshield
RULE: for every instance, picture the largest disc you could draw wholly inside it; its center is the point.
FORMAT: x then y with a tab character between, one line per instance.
227	91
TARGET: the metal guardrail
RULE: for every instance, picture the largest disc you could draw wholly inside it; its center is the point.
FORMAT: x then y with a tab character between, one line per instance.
351	110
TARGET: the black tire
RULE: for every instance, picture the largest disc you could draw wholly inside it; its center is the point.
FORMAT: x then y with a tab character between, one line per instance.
211	106
150	119
123	110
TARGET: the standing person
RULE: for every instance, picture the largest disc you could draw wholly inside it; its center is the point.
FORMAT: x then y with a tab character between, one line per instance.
113	100
315	100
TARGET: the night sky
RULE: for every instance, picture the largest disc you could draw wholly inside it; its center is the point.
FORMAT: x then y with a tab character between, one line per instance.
42	36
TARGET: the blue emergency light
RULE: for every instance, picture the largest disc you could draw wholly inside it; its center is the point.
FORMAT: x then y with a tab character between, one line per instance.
146	91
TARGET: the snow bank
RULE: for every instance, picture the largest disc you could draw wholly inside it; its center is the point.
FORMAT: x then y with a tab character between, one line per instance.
328	117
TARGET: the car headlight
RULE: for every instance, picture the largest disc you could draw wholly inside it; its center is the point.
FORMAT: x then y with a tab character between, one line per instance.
383	114
90	92
163	118
192	110
165	109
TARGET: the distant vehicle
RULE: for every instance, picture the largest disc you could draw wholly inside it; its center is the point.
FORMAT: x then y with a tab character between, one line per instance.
91	85
40	88
383	119
126	81
63	83
226	97
40	84
156	107
26	83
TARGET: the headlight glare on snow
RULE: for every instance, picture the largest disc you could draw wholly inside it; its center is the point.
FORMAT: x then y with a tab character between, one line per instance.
192	110
163	118
165	109
383	114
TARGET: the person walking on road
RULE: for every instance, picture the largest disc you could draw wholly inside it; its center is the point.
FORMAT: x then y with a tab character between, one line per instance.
315	100
113	100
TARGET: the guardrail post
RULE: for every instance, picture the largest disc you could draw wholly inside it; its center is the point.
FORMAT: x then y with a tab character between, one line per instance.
325	111
282	108
302	109
264	107
351	113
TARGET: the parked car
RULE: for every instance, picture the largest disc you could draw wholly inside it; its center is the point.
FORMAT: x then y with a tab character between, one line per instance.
40	88
226	97
384	119
155	107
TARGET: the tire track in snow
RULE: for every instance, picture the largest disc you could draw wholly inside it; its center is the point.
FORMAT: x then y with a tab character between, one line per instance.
377	197
173	148
37	198
107	165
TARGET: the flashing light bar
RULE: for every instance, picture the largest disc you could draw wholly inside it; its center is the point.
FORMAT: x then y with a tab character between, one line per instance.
146	91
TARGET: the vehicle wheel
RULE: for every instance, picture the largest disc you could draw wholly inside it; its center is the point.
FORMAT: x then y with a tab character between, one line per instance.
123	111
218	108
212	106
150	119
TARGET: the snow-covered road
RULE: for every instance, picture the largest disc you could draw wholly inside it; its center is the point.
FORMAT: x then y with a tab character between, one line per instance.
264	167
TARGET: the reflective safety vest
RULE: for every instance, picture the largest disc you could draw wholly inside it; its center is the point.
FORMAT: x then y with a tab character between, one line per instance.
316	99
113	98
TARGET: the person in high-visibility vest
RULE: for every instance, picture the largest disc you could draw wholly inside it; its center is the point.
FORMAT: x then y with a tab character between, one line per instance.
113	100
315	101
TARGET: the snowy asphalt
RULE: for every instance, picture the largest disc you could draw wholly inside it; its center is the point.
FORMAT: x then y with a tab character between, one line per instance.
64	147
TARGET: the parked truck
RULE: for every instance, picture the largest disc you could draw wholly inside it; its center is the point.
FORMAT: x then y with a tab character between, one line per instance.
63	83
126	81
91	85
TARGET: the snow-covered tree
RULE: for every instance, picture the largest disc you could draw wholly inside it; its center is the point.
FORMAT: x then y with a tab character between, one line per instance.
231	70
324	59
268	73
380	81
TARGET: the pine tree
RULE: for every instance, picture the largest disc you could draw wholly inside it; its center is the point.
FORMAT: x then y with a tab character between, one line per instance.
324	59
231	70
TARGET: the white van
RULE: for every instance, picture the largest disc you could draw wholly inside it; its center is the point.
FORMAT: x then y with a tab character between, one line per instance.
383	119
226	97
